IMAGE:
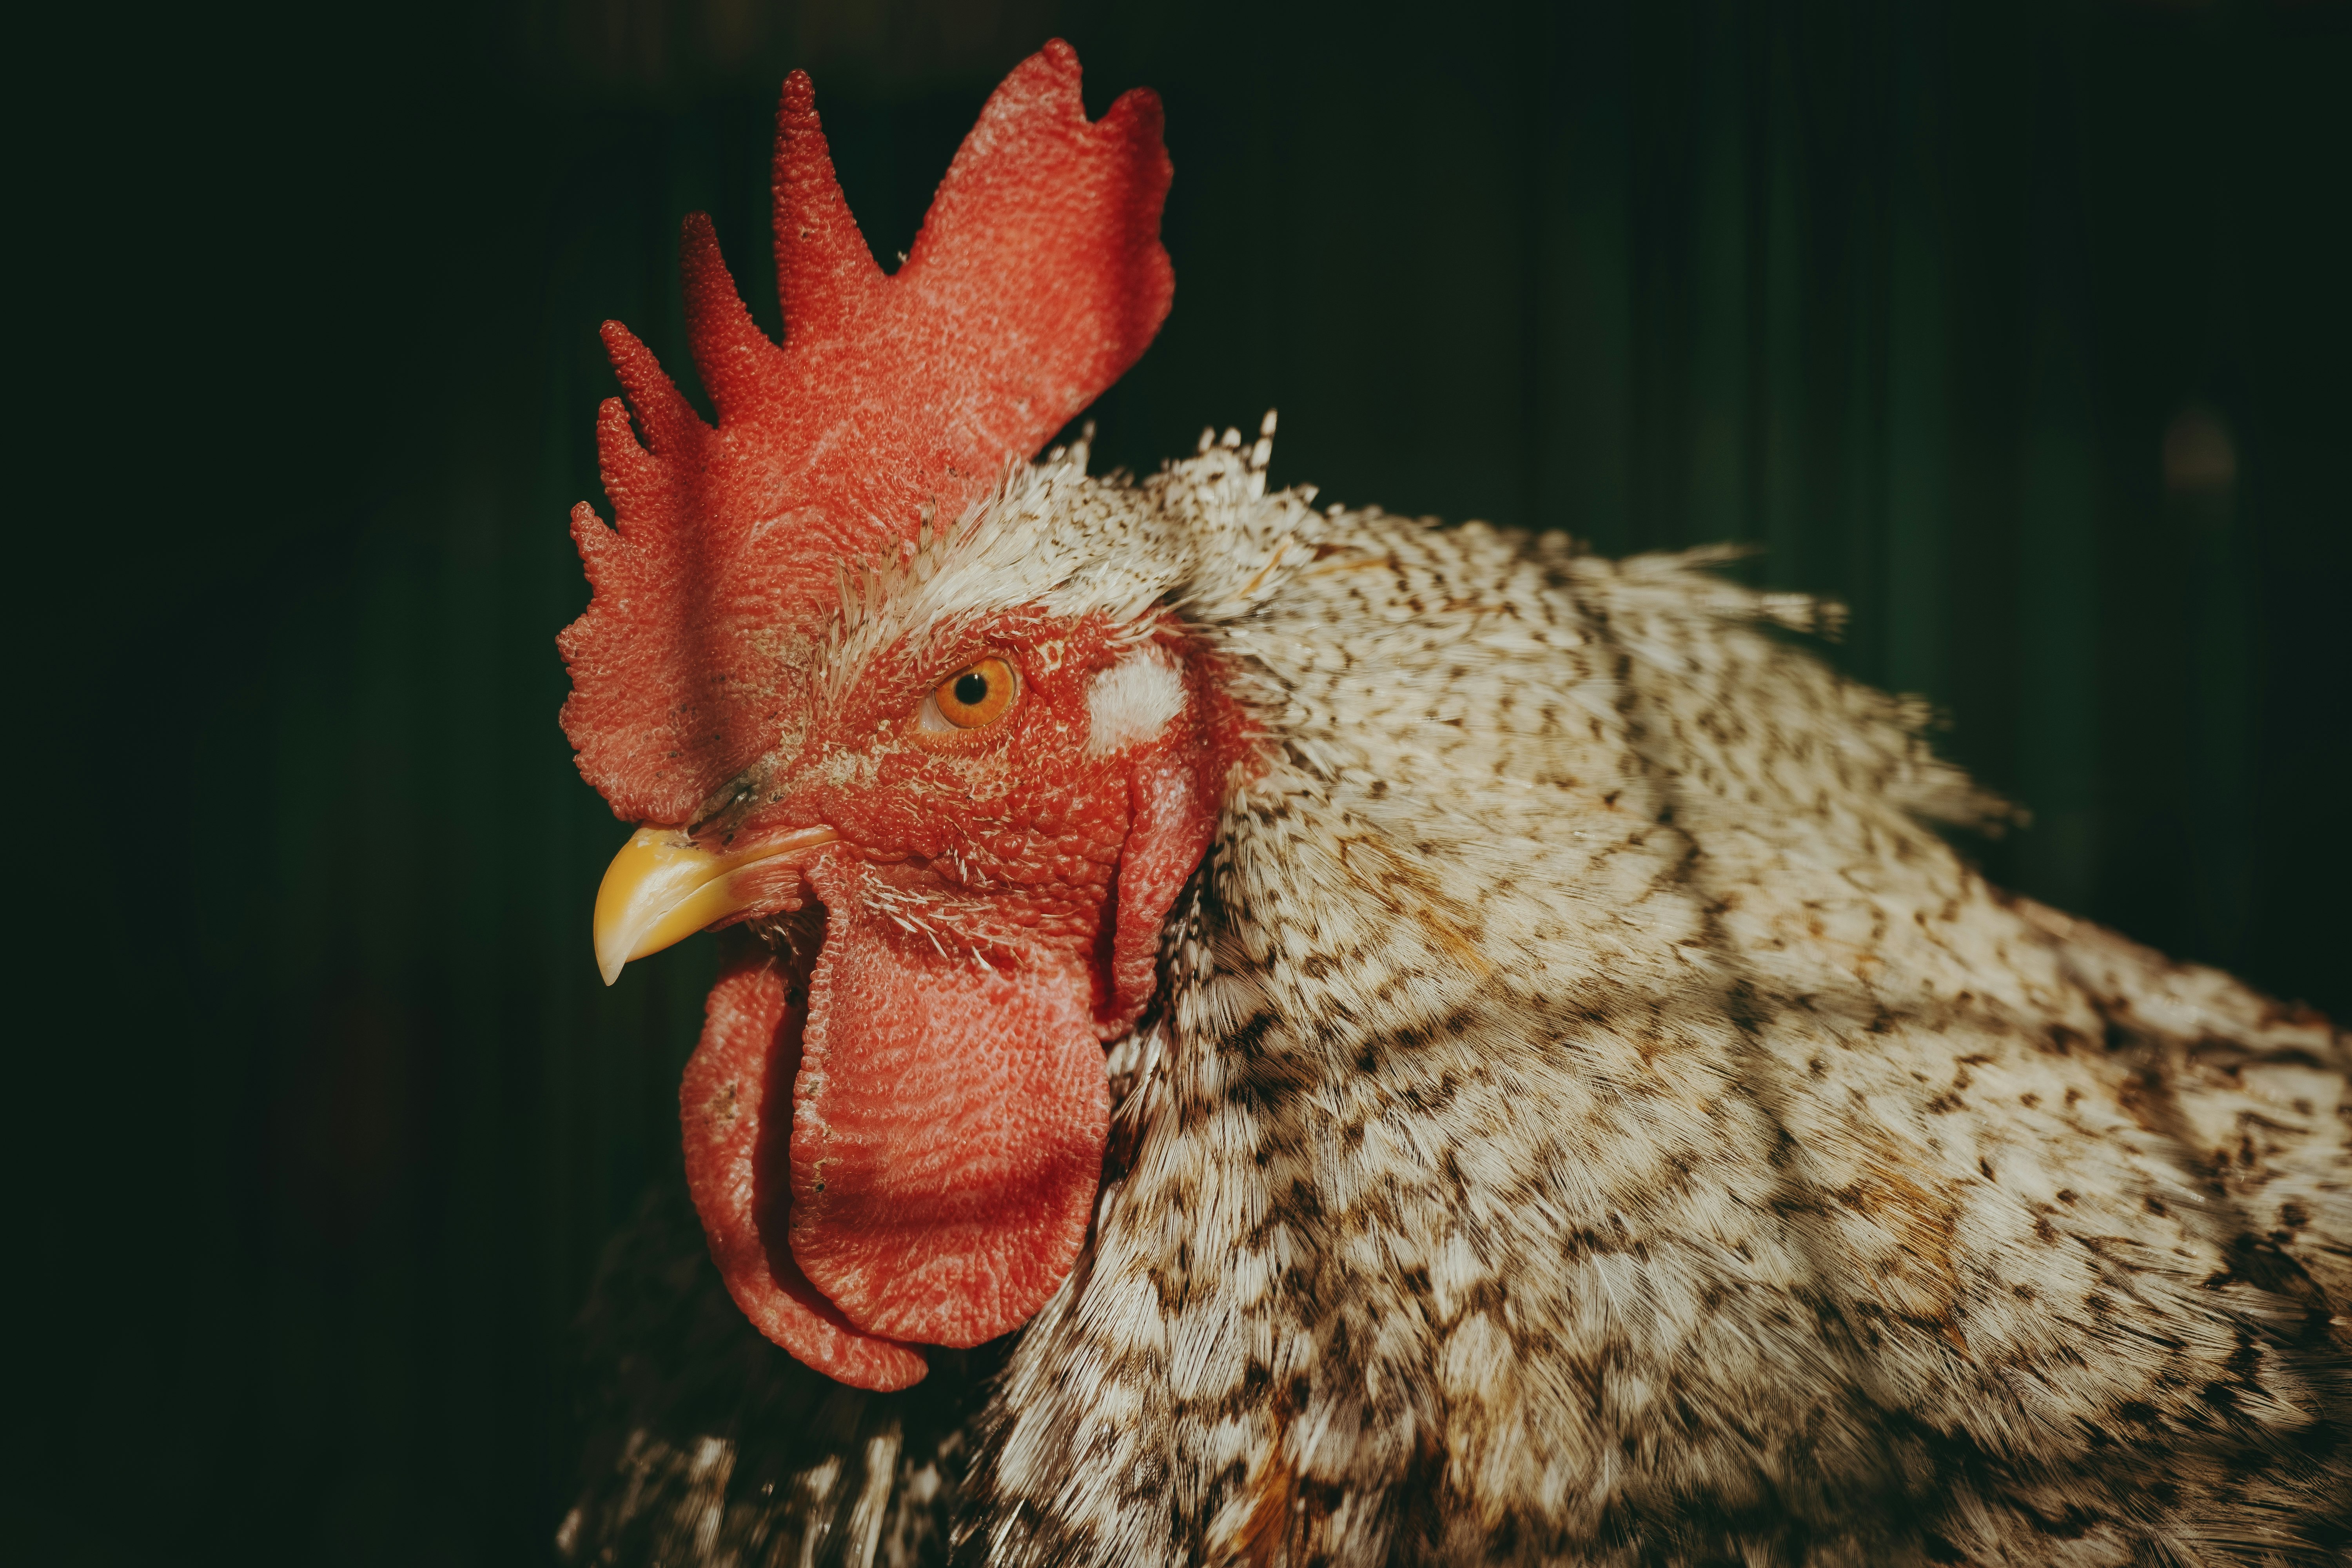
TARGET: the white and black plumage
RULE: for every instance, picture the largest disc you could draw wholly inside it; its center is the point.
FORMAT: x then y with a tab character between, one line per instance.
1591	1117
1581	1112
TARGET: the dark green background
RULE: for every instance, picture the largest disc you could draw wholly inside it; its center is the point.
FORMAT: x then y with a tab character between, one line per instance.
320	1111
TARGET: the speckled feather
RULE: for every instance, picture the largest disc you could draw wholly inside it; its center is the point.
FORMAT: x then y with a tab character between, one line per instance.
1588	1116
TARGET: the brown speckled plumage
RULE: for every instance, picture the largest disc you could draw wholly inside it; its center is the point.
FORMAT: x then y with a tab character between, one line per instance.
1589	1118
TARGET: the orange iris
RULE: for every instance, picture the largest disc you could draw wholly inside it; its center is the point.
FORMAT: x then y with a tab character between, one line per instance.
974	698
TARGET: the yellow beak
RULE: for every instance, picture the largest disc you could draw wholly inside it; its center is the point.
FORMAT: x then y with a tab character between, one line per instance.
663	887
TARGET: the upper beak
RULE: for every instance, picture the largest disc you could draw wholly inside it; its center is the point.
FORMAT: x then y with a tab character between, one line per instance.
663	887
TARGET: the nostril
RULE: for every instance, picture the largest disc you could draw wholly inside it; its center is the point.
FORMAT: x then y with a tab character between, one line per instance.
725	818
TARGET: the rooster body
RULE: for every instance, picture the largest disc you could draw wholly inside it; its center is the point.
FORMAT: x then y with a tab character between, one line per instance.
1584	1115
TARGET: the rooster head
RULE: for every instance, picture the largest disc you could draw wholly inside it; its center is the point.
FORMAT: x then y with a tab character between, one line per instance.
923	718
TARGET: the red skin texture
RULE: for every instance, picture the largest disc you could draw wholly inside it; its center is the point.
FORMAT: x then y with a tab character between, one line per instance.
1038	278
724	1107
948	1127
938	1172
948	1111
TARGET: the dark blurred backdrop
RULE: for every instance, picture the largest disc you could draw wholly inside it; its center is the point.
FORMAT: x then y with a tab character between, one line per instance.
2018	326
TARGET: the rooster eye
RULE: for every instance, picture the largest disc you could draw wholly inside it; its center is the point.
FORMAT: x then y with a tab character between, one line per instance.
975	698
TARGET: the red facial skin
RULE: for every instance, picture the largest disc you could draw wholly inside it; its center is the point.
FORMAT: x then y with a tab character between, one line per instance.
991	916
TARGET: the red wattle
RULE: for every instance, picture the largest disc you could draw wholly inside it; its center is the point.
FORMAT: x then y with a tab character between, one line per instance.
734	1103
948	1126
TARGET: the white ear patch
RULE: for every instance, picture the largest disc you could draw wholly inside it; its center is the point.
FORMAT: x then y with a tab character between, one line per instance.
1132	700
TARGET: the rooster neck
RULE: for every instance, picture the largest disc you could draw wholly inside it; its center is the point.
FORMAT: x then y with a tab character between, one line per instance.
1582	1064
1587	1115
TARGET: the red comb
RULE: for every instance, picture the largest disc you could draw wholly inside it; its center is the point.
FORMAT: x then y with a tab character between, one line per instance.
1037	279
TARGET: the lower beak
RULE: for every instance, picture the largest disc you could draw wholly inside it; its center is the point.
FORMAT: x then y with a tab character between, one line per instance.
663	887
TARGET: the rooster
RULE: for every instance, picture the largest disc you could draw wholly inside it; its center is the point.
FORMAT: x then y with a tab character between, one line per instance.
1251	1034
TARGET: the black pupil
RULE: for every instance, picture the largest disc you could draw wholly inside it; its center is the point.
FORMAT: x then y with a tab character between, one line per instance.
972	688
